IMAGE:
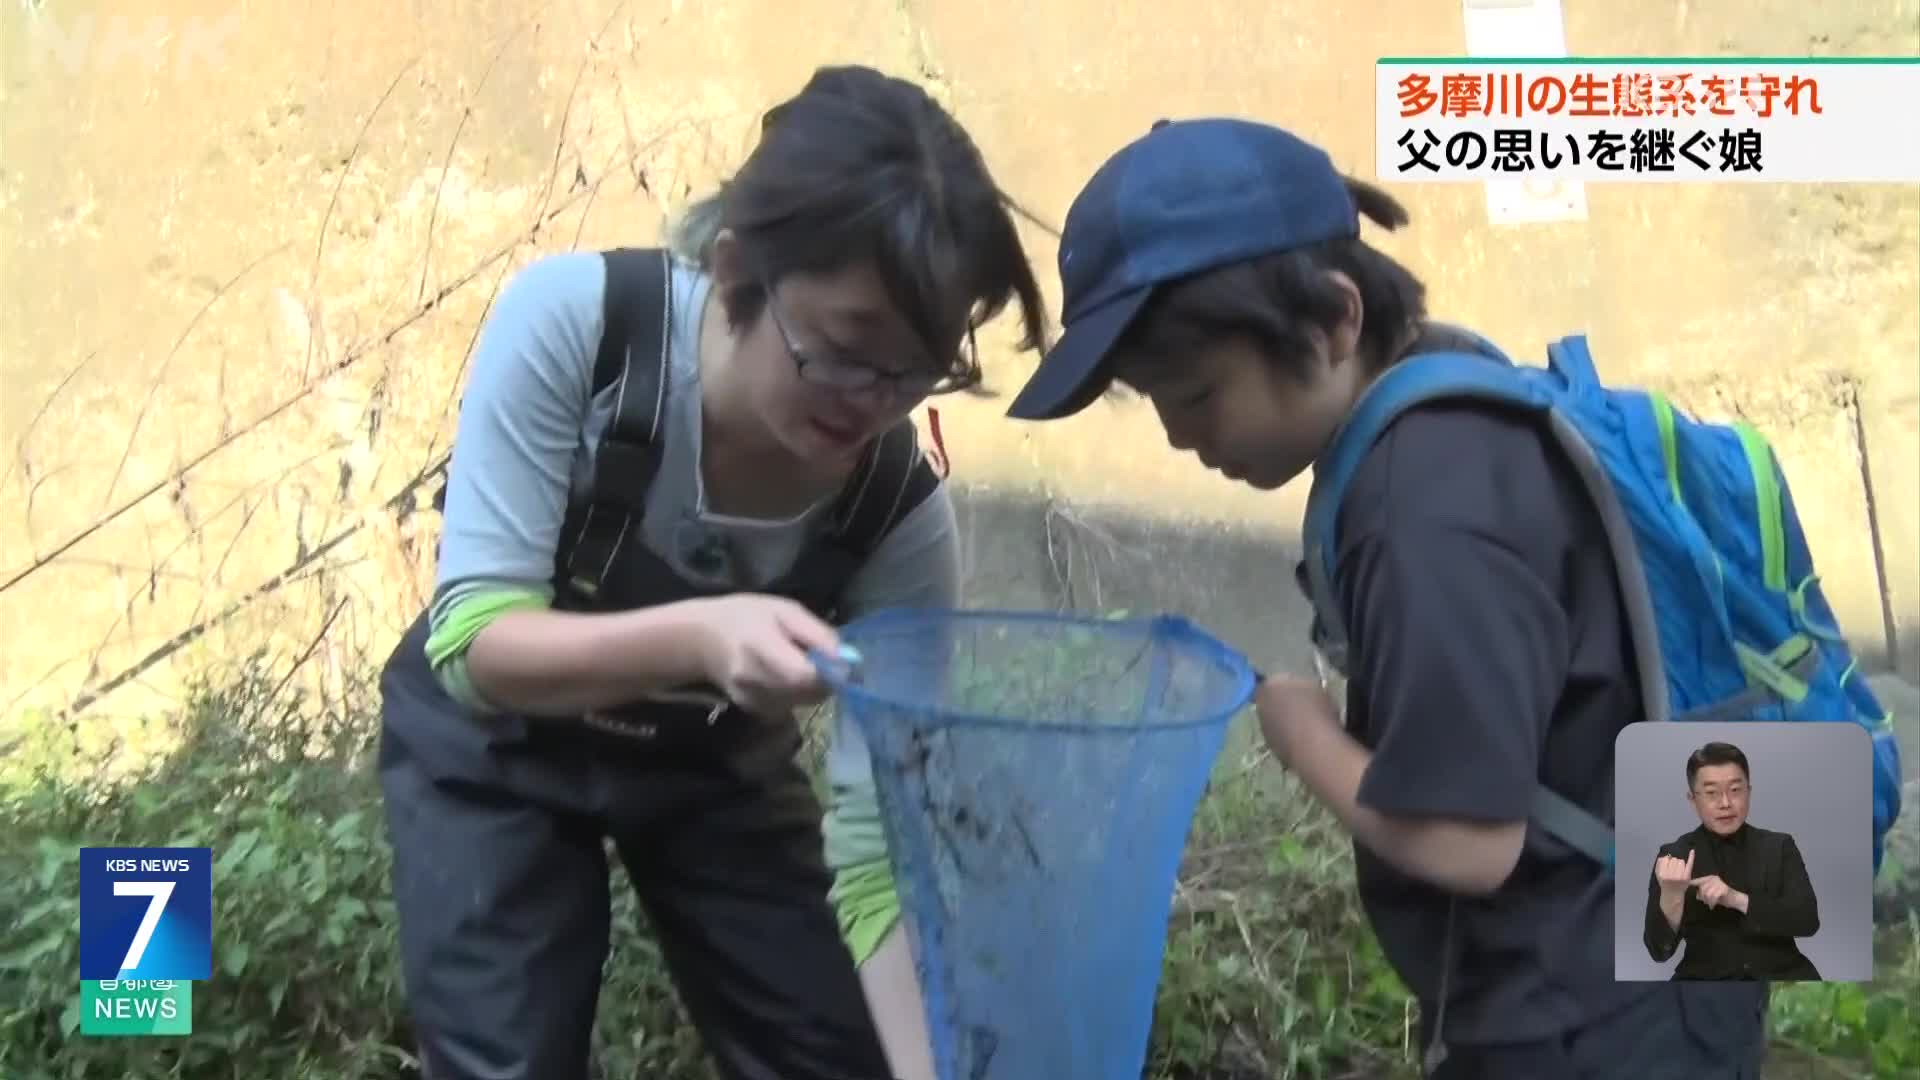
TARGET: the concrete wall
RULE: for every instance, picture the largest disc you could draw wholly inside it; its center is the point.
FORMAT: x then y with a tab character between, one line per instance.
343	191
1024	551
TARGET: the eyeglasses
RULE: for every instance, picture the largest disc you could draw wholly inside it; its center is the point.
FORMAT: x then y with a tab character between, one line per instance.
1713	795
850	375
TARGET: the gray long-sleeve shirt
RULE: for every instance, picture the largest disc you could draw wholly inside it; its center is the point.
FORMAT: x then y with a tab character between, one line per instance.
528	429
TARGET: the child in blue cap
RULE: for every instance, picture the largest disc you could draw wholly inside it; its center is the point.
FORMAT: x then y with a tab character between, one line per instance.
1215	266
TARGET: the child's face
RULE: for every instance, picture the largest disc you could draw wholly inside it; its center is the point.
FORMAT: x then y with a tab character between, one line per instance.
1241	413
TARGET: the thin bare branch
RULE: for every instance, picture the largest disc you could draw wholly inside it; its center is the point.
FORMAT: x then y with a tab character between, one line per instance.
333	202
566	113
20	445
159	376
307	654
305	567
446	165
42	561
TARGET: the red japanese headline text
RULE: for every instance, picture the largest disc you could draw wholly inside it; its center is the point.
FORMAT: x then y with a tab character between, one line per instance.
1679	94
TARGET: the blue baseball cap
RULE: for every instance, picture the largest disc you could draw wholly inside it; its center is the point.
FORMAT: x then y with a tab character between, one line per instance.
1188	196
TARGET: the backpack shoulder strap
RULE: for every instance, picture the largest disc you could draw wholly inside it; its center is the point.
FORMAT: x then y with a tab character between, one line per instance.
1416	381
637	322
1488	375
1573	825
1413	381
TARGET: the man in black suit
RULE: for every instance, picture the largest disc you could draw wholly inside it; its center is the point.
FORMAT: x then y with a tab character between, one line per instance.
1737	895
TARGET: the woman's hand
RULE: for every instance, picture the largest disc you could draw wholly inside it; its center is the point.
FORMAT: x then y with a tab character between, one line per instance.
754	648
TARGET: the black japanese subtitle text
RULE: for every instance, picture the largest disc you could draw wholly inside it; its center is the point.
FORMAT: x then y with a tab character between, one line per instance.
1640	150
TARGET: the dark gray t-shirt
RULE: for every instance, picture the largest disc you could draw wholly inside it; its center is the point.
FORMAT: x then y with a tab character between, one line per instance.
1490	651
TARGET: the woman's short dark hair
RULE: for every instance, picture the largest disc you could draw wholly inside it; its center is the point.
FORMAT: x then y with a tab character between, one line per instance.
862	165
1274	299
1716	753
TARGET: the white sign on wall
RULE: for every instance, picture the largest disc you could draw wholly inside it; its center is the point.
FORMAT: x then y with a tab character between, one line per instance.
1524	28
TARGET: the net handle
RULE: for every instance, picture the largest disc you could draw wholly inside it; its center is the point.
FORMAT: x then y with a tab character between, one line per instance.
839	668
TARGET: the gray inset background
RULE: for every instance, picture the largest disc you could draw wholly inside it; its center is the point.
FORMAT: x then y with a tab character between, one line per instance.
1811	779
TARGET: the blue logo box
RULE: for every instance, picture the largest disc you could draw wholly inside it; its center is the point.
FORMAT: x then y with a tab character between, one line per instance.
146	913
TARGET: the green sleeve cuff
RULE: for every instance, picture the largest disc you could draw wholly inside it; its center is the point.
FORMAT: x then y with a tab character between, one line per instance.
458	683
454	630
867	904
457	619
863	894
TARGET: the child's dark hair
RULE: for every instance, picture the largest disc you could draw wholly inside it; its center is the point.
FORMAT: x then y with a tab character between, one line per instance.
864	165
1273	299
1716	753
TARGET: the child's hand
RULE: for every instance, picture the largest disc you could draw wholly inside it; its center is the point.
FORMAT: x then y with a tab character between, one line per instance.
1288	706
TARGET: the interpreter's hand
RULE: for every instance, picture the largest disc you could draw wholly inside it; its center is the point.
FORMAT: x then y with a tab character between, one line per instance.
1715	892
754	648
1674	875
1290	706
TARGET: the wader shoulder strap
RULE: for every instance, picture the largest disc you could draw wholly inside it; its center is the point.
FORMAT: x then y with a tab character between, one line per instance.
894	478
633	355
891	480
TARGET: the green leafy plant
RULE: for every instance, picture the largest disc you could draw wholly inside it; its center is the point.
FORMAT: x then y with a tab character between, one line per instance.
306	973
1270	969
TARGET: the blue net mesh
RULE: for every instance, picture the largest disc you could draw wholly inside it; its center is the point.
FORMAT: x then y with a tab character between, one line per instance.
1037	778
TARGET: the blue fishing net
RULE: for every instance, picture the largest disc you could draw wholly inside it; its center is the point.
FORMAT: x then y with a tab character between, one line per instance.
1037	778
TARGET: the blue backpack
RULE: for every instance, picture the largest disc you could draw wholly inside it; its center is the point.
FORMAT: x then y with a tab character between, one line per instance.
1698	516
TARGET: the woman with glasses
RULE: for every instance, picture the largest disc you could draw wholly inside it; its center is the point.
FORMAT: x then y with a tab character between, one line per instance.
674	472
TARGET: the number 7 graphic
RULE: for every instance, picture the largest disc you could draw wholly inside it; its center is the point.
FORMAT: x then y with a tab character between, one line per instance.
158	893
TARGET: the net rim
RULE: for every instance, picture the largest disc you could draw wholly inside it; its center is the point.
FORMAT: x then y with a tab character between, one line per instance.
838	676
